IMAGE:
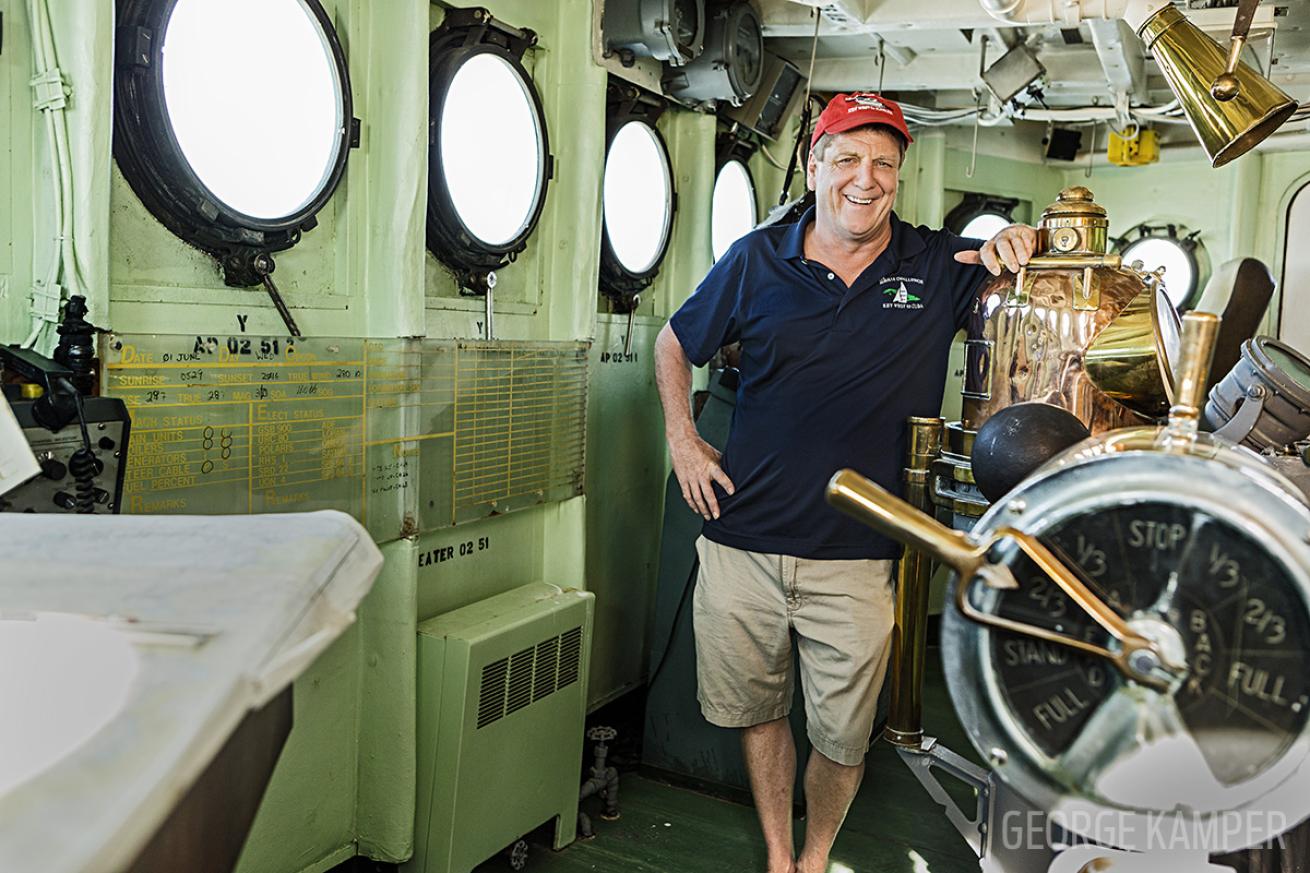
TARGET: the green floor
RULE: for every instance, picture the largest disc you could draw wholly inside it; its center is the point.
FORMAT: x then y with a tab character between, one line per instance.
893	827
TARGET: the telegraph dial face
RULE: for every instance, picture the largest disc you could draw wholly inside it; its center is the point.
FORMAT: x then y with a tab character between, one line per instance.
1209	558
1232	610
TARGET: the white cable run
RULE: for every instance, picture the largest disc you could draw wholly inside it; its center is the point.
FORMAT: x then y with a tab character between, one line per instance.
51	99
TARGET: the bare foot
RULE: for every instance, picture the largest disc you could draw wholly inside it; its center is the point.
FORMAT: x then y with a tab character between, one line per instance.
787	866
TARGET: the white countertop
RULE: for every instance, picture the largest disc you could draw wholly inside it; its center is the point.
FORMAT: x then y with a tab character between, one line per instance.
130	649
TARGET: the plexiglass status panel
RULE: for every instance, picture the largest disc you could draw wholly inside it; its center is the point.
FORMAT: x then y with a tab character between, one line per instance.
405	435
1294	326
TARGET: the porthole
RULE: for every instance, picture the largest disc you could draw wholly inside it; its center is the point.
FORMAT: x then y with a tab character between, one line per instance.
980	216
638	198
985	226
732	214
236	164
1177	252
489	162
637	204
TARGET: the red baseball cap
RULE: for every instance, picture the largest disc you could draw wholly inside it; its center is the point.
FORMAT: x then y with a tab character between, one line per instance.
846	111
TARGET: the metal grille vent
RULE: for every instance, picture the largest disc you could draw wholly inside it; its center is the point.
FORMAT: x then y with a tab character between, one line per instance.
520	680
527	676
570	656
491	702
547	668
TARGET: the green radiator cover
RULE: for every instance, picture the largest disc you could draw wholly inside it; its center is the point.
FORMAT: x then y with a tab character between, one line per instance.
502	695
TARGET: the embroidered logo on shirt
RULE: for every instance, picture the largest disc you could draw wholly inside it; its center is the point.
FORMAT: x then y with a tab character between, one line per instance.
900	297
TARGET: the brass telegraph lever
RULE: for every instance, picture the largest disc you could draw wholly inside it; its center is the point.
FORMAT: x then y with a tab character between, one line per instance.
1138	657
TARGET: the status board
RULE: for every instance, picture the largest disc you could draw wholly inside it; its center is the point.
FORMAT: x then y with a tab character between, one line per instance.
406	435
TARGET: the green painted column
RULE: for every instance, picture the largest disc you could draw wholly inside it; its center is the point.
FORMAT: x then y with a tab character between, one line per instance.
345	782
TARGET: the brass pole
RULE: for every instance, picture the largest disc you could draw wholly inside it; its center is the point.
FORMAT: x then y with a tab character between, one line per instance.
1190	378
913	575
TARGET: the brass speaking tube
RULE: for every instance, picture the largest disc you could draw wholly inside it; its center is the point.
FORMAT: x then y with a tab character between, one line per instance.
913	577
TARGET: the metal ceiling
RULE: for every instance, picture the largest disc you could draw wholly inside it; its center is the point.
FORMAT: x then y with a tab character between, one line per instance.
933	49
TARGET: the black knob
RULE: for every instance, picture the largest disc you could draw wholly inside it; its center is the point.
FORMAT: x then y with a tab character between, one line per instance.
64	500
53	469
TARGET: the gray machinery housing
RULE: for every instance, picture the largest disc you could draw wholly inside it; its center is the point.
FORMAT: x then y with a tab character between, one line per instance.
671	31
732	65
767	110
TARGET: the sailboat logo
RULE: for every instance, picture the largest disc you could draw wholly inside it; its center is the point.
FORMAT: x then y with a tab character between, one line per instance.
901	295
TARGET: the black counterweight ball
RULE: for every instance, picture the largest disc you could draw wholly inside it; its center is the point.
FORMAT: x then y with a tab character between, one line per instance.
1017	440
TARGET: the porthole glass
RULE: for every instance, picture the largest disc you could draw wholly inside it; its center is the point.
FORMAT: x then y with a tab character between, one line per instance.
236	158
638	198
493	154
980	215
489	162
985	226
732	214
262	160
1179	266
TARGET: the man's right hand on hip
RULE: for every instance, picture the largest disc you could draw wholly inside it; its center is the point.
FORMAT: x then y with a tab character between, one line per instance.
696	464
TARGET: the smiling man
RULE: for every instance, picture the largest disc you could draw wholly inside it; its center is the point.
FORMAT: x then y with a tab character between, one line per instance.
845	322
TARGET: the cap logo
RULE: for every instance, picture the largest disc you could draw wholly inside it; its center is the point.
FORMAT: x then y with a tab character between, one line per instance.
869	101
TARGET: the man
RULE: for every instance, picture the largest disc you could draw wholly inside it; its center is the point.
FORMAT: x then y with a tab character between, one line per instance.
845	321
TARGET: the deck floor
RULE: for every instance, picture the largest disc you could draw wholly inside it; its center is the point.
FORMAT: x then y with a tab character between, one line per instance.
893	826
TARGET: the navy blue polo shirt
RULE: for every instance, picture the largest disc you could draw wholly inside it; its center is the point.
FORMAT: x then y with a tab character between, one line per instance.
829	374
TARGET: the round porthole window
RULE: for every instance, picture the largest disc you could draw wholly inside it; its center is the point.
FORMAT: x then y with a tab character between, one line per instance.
285	166
732	215
985	226
980	216
489	160
496	182
237	164
638	206
1177	253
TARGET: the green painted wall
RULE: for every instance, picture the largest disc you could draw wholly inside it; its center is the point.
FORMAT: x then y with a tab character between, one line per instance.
345	782
15	179
1282	176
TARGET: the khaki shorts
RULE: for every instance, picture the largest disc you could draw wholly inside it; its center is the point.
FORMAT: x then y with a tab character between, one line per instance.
745	609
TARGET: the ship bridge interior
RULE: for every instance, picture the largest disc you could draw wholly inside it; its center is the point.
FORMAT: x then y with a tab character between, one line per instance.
341	523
